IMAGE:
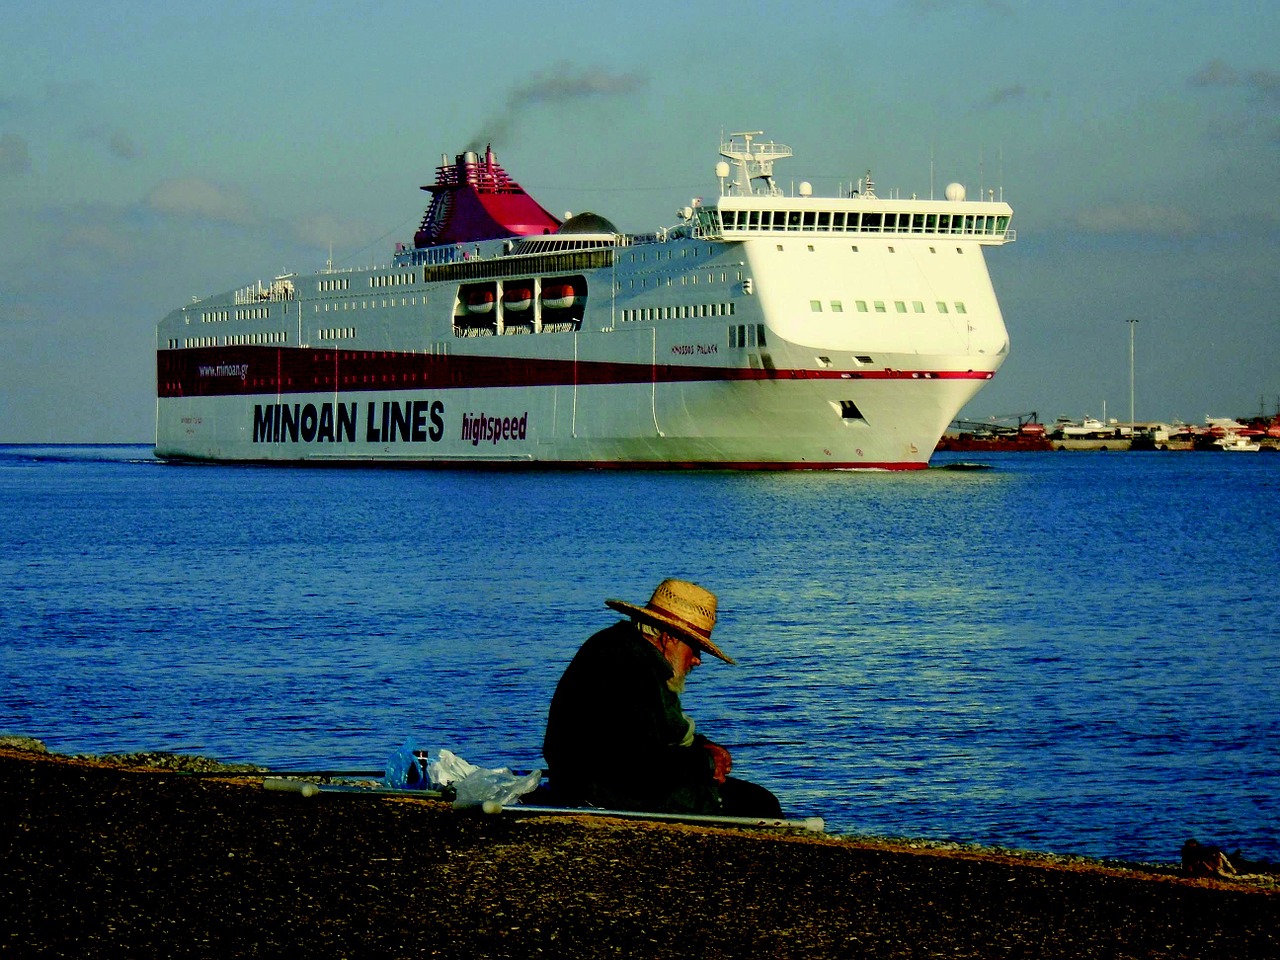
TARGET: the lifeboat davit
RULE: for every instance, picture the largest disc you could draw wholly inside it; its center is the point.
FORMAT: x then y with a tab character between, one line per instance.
478	301
558	295
517	299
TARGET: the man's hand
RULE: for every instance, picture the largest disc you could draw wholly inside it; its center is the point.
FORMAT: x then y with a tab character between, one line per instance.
720	757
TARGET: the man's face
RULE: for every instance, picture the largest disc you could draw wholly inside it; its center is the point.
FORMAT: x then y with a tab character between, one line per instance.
681	656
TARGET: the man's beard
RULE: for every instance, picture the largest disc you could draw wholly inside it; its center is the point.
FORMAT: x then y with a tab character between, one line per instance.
676	683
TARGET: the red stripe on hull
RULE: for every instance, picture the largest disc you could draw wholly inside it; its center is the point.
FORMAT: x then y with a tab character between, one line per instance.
503	465
249	371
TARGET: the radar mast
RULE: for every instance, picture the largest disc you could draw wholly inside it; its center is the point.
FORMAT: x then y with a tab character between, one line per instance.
752	162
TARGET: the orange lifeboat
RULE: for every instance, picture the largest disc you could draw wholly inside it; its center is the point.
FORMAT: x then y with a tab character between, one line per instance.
558	295
517	299
478	301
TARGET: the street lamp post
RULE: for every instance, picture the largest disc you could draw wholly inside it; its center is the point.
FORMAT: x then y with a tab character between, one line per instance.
1132	324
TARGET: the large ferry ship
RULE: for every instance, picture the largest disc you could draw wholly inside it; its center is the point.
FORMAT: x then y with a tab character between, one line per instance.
767	329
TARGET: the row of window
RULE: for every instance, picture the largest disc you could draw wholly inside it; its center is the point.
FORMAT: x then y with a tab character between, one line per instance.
684	311
234	340
254	339
639	255
335	283
338	305
878	306
336	333
745	335
686	280
392	279
841	221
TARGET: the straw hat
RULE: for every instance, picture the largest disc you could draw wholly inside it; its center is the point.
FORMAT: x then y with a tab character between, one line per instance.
683	609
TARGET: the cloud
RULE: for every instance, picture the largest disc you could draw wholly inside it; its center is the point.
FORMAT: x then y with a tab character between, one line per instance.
1144	219
1260	85
561	84
320	231
15	158
199	199
118	143
998	98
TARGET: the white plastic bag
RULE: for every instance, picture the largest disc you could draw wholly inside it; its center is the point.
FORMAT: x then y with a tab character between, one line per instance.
500	785
447	768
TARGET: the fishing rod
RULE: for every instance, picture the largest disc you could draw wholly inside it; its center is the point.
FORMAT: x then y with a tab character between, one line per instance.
284	773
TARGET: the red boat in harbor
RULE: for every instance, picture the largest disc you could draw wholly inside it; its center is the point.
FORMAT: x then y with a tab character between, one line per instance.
992	437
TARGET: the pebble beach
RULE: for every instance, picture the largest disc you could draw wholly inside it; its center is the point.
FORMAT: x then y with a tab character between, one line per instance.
102	859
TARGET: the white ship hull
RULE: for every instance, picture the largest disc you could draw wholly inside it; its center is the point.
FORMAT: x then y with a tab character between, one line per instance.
727	344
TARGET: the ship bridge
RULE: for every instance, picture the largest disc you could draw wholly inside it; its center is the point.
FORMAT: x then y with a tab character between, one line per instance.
752	204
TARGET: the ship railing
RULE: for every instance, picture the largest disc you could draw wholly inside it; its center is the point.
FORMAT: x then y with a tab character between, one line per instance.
277	290
754	150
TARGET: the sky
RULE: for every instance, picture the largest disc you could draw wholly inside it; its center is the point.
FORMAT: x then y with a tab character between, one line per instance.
155	152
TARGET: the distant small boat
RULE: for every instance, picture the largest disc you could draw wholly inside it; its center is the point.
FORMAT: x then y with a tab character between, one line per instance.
1237	445
1088	428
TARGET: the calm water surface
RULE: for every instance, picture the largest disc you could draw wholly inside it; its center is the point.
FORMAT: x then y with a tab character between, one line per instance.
1072	652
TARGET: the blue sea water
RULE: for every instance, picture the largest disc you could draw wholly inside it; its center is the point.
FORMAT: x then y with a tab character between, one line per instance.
1070	651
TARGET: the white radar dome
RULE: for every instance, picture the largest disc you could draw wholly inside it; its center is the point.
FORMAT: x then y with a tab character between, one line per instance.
955	191
722	169
806	188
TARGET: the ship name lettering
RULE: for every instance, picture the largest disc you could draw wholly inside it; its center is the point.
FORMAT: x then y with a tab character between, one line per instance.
414	421
294	422
478	426
405	422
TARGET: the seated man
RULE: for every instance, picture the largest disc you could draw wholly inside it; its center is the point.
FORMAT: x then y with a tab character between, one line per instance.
616	735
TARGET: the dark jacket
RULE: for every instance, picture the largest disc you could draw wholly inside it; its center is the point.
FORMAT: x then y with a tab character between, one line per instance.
615	729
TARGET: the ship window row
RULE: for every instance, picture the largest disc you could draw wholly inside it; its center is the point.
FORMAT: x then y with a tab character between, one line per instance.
684	311
880	306
841	221
340	305
686	280
237	339
392	279
336	283
745	335
337	333
240	313
639	256
254	339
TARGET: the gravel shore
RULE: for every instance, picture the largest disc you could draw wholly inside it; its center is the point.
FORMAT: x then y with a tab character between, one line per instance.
103	860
